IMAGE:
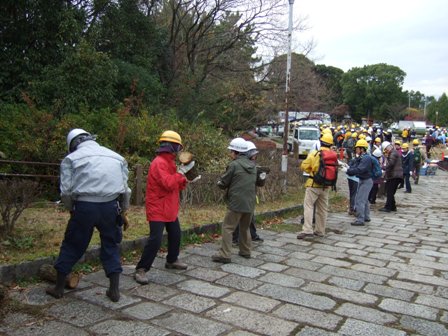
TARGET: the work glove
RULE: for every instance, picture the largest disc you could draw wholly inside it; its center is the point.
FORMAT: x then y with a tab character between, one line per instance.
197	178
185	168
344	169
124	215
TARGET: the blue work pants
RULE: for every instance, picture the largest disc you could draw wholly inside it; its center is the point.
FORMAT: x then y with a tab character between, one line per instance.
85	217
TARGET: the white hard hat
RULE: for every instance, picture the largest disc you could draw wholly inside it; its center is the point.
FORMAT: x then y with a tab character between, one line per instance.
384	145
73	134
377	153
251	149
368	138
238	145
250	145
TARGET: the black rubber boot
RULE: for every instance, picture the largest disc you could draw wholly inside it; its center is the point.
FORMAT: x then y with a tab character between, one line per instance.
57	291
113	292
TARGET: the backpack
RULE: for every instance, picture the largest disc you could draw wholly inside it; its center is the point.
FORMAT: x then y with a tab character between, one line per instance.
350	143
327	173
376	169
417	156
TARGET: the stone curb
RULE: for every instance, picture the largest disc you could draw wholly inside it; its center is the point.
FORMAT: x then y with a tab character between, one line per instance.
12	273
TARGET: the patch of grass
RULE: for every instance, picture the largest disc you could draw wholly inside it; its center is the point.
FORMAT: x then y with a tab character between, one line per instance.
40	230
337	203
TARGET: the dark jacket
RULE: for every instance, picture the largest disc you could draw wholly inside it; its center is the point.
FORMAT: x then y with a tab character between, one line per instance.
361	167
394	166
240	179
408	162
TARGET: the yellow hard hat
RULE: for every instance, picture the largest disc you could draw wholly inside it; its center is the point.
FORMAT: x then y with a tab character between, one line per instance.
415	142
397	142
348	134
354	135
377	140
326	131
171	136
362	143
362	136
405	146
327	138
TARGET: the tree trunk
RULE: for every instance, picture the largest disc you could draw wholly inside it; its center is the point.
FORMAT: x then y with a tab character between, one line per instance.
47	272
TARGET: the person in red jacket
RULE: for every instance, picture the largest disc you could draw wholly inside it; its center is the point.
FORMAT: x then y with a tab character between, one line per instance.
164	183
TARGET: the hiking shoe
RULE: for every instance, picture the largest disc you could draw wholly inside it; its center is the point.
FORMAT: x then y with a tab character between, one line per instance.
176	265
247	256
356	223
384	210
318	234
140	277
367	220
221	259
304	235
258	239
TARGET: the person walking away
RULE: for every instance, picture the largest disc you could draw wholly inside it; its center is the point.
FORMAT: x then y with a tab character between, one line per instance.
351	145
376	155
408	166
316	193
261	179
429	143
94	189
418	159
393	176
239	181
362	168
404	134
164	182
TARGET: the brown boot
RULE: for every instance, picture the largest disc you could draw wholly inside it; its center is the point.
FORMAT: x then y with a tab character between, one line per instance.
176	265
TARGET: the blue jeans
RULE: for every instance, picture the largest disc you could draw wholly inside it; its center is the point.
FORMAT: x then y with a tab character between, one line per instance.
407	182
85	217
155	241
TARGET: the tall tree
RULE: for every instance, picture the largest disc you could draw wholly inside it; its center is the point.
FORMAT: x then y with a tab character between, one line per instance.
34	34
370	90
308	91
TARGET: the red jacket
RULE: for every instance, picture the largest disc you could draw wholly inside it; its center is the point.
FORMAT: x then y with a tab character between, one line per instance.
162	189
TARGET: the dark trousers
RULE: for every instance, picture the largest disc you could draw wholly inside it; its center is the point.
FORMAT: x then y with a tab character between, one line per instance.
373	193
155	241
85	217
391	189
252	230
352	188
417	167
407	182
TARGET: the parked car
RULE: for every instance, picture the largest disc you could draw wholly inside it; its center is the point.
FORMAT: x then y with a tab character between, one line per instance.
305	137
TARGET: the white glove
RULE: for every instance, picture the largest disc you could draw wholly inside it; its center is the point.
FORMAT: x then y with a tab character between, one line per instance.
262	176
183	169
344	169
411	172
197	178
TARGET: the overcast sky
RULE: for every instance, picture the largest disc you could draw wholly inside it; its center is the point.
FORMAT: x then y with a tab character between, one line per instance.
410	34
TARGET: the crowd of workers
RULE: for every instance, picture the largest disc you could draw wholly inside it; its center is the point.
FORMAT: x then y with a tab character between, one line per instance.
94	189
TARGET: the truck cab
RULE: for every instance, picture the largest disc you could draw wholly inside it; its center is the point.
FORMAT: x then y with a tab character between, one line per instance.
306	137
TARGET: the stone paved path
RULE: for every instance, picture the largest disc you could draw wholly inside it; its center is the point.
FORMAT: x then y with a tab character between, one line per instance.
388	278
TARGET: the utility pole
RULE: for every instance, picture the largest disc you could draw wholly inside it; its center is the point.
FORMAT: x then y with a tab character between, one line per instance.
284	166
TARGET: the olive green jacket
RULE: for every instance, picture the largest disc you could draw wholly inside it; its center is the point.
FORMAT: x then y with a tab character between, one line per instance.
240	180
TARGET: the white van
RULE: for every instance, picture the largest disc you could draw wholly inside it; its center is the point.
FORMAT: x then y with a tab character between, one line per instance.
305	137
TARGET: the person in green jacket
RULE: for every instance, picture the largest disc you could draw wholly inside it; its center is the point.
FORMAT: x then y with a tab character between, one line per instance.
239	181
